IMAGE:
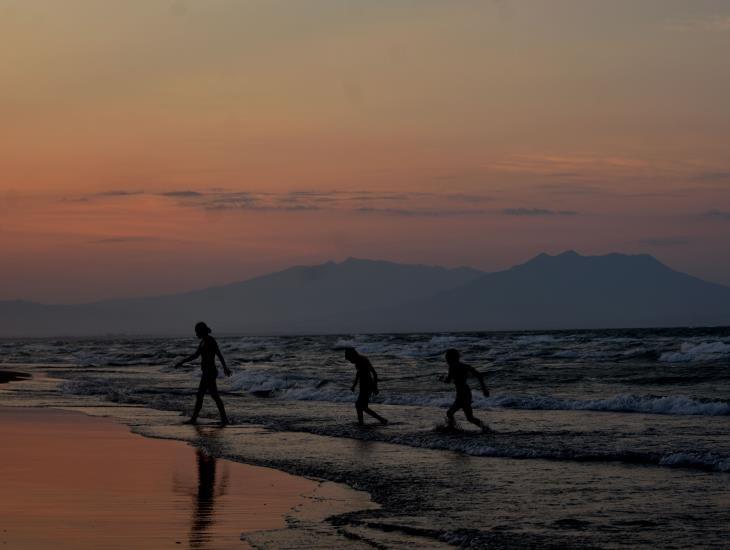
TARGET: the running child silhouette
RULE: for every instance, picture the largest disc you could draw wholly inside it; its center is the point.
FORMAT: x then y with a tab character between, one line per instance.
207	350
458	373
368	380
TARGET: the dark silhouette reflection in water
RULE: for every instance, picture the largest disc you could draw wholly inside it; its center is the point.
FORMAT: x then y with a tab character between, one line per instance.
205	499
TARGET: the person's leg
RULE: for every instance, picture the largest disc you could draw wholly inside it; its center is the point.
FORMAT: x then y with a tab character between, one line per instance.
359	414
375	415
452	411
199	400
361	404
213	390
473	419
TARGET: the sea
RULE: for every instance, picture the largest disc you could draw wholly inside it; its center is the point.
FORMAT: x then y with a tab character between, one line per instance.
599	438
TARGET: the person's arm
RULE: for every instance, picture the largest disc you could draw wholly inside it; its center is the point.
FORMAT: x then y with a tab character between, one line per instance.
190	357
375	380
226	370
354	383
447	379
479	376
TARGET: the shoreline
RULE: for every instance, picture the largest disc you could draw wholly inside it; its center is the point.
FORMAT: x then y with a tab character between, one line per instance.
428	495
104	449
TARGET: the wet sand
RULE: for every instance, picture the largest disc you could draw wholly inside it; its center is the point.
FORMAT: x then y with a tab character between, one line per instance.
74	481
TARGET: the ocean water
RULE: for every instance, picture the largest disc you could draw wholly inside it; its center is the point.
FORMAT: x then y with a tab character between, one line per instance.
602	439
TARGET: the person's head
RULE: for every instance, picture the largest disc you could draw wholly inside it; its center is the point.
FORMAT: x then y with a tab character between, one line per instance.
452	356
202	330
351	354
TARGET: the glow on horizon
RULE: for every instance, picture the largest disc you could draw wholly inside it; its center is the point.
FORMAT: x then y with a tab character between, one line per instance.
157	146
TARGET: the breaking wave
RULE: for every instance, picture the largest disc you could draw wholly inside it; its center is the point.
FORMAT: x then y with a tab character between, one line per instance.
698	352
304	388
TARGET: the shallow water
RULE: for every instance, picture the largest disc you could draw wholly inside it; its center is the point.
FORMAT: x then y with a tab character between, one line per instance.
608	439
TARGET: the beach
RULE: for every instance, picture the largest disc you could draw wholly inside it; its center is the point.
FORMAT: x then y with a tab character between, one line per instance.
608	439
75	481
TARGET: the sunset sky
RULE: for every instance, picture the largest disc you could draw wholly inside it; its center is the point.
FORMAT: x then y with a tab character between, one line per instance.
154	146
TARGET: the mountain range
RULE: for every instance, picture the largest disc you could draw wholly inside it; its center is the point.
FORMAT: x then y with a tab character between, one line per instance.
566	291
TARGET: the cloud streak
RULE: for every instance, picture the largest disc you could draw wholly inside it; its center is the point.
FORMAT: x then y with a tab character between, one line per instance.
665	241
537	212
427	213
404	204
123	240
714	176
717	23
118	193
182	194
717	215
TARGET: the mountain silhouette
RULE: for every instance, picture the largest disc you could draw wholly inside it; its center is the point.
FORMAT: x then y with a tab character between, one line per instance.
567	291
570	291
298	299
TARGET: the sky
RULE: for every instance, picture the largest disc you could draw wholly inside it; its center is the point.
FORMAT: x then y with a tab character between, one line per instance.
156	146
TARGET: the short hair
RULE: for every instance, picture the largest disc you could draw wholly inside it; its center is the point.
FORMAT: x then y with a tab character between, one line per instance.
452	354
202	328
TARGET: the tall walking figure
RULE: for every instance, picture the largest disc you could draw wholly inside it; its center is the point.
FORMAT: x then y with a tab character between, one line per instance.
368	380
207	350
458	373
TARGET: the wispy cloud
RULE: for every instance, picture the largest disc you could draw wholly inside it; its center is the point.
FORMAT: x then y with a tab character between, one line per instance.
714	176
665	241
466	197
412	204
583	166
428	213
571	189
102	195
182	194
136	239
717	214
118	193
537	212
717	23
122	240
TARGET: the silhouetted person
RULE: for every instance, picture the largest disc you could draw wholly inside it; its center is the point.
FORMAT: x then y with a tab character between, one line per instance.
207	351
368	380
458	373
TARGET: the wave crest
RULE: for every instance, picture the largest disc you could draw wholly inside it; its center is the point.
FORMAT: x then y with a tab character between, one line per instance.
304	388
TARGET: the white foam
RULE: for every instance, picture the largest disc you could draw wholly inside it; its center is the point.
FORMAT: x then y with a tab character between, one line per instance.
672	405
698	352
708	461
535	339
303	388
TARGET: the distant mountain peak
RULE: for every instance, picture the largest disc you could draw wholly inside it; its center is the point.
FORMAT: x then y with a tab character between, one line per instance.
572	254
351	260
565	290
